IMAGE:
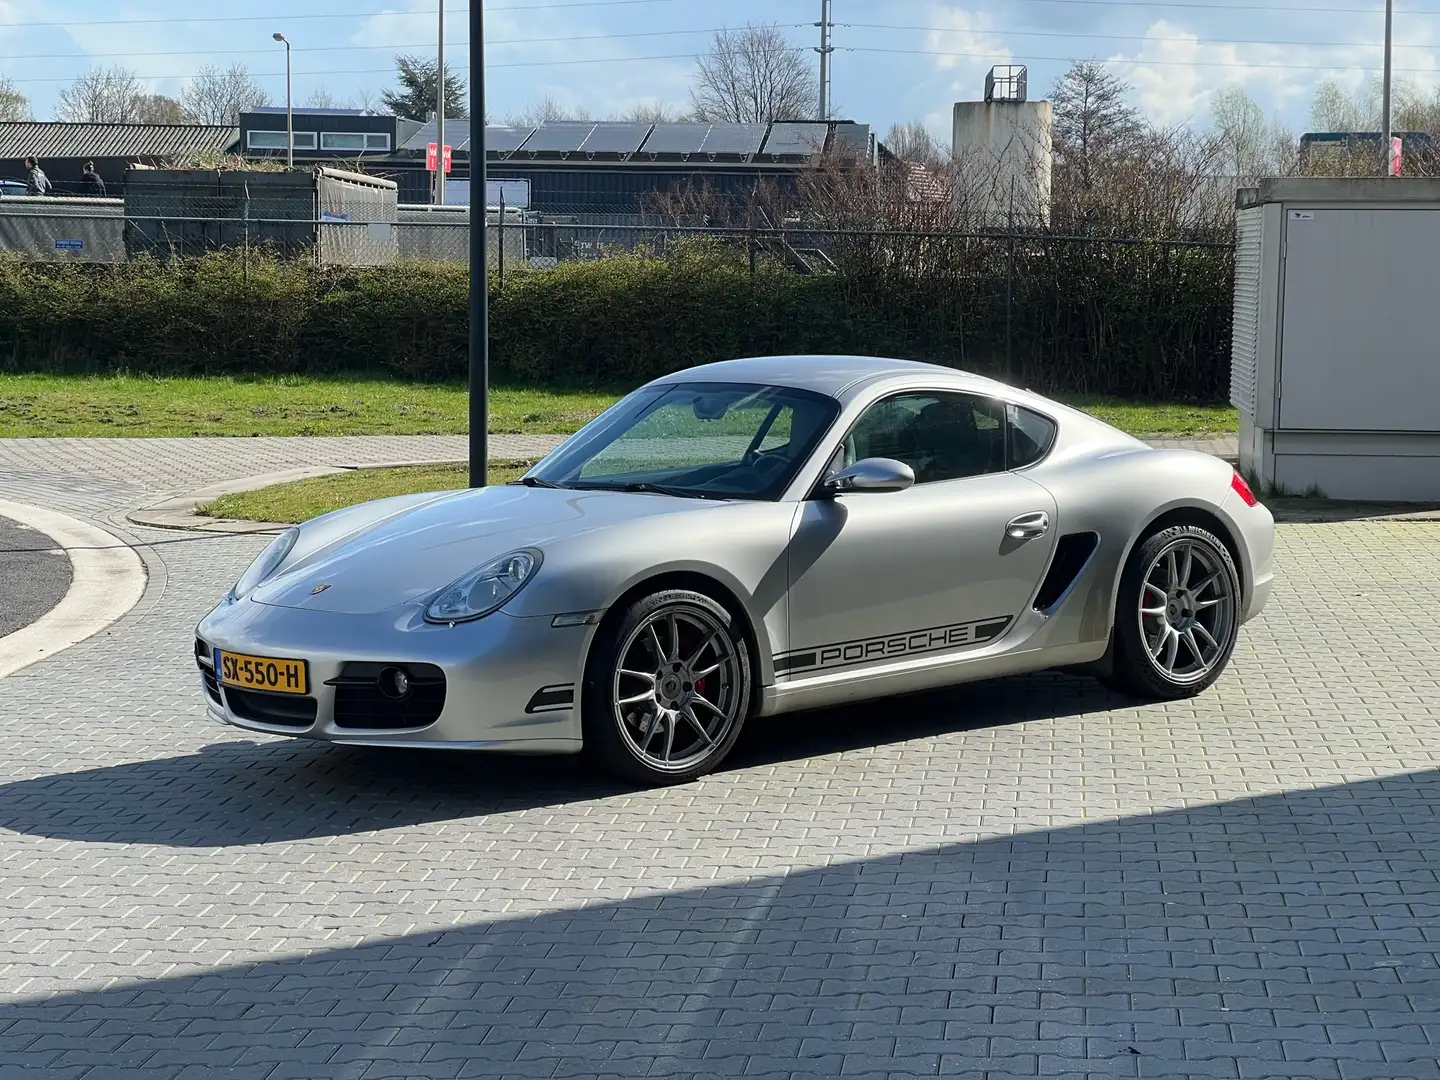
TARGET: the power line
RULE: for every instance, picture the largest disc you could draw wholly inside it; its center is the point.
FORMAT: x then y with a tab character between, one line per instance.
289	17
1122	37
373	48
1135	60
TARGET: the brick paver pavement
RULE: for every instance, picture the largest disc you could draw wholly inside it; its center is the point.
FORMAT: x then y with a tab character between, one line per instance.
1021	878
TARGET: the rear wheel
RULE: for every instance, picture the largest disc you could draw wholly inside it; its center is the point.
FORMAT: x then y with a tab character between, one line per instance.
667	690
1177	615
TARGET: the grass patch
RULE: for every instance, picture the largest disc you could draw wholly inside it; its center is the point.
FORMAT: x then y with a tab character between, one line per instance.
141	406
301	500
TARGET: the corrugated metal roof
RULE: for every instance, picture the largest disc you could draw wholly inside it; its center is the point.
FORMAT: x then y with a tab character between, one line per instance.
60	140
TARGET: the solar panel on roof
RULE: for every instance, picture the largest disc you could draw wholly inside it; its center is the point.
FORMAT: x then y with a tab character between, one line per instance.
610	138
502	140
733	139
676	139
558	138
799	140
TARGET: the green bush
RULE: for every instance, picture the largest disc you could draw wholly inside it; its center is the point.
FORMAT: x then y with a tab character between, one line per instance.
1136	320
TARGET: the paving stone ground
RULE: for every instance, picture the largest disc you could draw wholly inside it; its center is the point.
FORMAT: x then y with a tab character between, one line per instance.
1015	879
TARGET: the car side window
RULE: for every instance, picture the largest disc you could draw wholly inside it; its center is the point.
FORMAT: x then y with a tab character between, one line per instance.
1031	436
940	436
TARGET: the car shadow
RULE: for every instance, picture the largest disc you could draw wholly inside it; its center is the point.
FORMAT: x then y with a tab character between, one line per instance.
242	792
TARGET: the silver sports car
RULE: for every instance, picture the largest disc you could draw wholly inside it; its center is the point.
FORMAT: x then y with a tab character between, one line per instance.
735	542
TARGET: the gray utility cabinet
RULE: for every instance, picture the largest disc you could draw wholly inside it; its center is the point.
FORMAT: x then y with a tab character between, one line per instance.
1335	361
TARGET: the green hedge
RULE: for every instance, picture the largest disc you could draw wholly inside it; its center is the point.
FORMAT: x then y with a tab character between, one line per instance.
1133	320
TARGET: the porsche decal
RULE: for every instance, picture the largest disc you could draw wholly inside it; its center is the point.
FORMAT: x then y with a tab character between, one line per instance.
891	646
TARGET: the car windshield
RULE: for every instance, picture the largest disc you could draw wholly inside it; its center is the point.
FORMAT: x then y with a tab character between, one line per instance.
695	440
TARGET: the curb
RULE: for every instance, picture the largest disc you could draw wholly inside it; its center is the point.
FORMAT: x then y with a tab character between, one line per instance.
178	512
107	580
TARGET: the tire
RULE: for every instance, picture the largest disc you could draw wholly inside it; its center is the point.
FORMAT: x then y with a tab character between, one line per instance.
1176	648
656	714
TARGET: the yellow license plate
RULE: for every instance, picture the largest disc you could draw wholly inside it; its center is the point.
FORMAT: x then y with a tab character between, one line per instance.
261	673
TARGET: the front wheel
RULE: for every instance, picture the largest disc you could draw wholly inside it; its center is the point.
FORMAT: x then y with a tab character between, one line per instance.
667	690
1176	617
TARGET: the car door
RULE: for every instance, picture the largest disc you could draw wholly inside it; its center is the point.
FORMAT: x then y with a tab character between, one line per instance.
944	566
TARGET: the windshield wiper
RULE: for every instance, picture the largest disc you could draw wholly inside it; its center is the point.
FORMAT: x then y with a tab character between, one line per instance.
663	489
535	481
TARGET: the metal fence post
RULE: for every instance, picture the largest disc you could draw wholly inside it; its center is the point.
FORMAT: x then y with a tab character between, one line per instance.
1010	290
502	239
751	244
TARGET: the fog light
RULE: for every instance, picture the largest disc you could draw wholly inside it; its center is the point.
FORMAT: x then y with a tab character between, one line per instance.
394	683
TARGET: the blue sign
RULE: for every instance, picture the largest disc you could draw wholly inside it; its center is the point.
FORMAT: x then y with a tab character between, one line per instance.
69	245
328	215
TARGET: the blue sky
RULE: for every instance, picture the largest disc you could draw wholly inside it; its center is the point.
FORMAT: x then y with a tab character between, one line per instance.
895	60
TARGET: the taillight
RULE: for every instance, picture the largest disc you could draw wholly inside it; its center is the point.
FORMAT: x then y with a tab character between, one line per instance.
1242	489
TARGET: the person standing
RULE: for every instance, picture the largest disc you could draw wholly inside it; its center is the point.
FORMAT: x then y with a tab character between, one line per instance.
94	185
36	182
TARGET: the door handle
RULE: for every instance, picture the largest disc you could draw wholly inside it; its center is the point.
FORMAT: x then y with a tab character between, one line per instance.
1028	526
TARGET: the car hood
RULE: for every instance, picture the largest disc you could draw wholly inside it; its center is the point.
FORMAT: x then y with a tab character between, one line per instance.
405	557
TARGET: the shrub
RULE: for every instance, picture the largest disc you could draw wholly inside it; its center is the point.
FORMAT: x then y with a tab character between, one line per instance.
1141	320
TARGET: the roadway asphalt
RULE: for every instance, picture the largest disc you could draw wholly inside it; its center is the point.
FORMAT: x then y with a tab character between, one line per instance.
32	580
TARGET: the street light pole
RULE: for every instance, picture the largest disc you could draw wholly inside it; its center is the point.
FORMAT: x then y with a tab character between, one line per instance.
289	110
479	267
1388	154
440	111
825	50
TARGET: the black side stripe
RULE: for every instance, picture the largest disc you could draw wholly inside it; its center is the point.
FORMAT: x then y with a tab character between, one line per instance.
932	639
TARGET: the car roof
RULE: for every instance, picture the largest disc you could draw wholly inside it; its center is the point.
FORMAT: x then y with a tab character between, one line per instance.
823	373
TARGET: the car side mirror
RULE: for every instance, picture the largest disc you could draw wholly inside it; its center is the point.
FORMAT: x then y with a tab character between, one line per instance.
871	474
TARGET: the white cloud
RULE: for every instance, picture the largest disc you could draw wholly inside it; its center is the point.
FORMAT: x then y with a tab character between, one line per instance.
1174	73
972	46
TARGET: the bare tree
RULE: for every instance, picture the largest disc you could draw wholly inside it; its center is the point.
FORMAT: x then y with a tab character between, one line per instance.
13	104
1243	131
754	74
102	96
322	98
216	95
651	112
912	142
545	109
1333	108
1092	120
159	109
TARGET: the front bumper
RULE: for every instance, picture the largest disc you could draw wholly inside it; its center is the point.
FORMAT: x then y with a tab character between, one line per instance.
509	684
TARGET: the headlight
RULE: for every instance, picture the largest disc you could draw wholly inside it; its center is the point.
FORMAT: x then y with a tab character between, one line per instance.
266	563
482	591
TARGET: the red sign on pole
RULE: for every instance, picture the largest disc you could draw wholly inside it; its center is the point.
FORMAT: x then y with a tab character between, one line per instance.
1395	155
431	155
449	153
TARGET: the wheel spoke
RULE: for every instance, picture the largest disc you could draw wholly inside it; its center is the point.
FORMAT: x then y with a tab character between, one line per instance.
674	654
1199	628
694	722
1172	571
1194	647
649	695
1157	590
705	644
1202	605
705	673
669	736
1211	578
1156	611
700	699
647	676
650	731
1185	568
655	644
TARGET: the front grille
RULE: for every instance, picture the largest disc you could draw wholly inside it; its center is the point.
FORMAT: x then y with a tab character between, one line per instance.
212	688
282	710
361	703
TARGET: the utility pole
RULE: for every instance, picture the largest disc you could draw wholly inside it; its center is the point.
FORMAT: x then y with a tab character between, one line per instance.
1387	154
440	110
824	50
479	267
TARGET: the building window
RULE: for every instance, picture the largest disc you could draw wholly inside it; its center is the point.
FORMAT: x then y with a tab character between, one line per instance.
275	140
377	140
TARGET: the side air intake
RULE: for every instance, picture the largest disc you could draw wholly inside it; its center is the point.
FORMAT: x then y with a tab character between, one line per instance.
1072	554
